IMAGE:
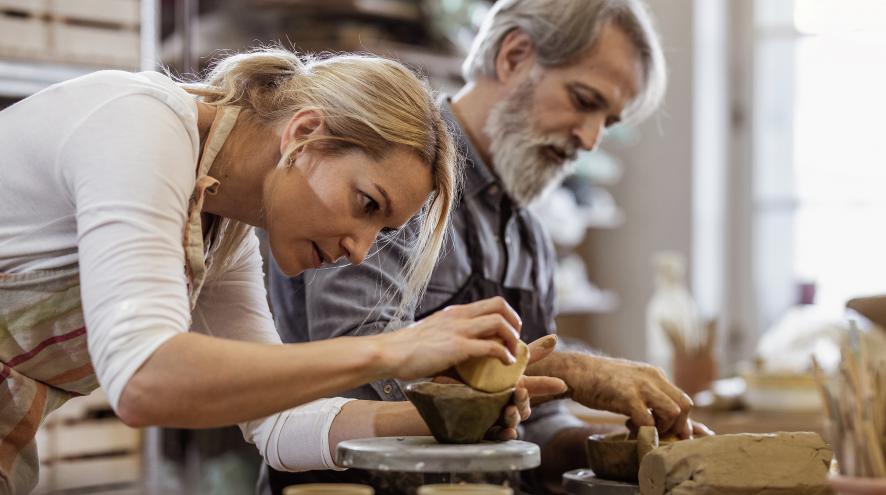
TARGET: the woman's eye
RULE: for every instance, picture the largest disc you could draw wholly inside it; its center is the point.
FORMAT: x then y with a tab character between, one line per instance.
369	205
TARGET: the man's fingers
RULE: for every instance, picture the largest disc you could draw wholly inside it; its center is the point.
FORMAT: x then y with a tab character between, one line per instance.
511	417
543	385
700	430
665	410
639	413
506	434
542	348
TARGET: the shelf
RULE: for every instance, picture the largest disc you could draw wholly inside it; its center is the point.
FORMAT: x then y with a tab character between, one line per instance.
25	70
21	79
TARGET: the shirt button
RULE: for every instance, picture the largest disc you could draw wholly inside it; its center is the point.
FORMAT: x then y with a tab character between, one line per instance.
388	389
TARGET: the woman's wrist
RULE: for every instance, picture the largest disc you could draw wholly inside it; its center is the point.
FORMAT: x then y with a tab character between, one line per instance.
385	361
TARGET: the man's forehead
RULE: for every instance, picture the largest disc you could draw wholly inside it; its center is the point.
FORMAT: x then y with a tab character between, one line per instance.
612	61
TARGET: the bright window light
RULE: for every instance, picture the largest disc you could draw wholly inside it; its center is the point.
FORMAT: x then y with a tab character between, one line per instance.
839	16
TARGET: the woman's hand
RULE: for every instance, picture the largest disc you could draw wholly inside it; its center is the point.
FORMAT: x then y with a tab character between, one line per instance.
528	388
449	337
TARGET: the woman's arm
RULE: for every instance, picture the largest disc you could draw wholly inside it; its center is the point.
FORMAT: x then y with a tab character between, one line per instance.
193	380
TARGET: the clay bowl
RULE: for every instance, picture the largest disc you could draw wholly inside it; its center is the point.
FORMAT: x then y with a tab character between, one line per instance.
615	456
848	485
465	489
456	413
329	489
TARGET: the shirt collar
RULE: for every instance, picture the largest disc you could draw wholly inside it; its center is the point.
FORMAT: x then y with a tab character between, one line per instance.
478	174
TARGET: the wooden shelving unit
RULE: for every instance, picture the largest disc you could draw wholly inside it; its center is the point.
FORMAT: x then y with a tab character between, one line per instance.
43	42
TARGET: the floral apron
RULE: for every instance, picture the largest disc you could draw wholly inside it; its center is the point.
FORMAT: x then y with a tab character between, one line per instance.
44	360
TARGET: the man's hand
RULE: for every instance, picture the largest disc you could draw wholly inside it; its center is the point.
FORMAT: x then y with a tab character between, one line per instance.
637	390
527	389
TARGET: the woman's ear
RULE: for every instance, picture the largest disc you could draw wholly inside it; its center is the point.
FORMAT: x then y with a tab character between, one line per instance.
305	124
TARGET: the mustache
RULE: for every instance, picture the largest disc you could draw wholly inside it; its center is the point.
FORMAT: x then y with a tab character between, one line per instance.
564	146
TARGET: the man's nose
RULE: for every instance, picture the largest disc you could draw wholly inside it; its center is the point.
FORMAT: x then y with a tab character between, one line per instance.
588	133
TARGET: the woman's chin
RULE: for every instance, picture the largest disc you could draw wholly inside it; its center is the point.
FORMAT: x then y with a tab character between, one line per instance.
291	268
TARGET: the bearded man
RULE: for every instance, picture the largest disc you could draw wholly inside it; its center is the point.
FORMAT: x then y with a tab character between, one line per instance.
545	79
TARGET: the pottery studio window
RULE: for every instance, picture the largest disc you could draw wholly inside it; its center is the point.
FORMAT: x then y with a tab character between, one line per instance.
819	152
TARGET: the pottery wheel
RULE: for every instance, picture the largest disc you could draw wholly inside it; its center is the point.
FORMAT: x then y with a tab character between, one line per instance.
583	482
425	455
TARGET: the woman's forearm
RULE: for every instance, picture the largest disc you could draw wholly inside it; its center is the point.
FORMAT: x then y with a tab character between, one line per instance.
364	419
196	381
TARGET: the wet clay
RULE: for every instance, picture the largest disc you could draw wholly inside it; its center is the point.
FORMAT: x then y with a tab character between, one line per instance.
745	464
617	456
457	413
489	374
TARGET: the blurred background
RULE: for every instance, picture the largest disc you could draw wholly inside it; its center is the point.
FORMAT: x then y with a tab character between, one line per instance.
760	181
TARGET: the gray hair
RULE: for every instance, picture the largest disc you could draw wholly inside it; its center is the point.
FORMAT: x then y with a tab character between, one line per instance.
564	30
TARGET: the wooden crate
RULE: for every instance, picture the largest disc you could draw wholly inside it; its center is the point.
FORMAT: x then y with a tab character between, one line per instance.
33	7
23	36
89	473
119	12
91	437
99	33
83	445
95	45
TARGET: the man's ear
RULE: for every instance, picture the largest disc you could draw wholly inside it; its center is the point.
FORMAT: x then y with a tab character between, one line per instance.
515	56
305	124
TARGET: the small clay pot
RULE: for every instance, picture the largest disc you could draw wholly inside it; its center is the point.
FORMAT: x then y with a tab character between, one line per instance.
456	413
328	489
465	489
617	457
848	485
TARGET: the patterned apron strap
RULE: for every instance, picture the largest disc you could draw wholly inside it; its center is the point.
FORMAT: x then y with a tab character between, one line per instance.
192	239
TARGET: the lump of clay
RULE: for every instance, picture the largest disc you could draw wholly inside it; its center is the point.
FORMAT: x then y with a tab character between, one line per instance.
488	374
617	457
456	413
770	464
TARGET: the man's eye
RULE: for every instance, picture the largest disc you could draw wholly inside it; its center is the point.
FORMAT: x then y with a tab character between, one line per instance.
584	103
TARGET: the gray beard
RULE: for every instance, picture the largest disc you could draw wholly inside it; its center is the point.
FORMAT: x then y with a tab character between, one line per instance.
518	151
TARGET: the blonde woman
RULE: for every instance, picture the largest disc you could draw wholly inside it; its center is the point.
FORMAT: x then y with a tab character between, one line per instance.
127	203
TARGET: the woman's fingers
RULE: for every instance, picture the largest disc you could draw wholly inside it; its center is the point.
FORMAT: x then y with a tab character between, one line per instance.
493	305
542	348
493	326
486	347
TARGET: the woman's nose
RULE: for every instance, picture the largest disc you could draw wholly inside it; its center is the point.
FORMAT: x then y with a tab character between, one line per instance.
359	244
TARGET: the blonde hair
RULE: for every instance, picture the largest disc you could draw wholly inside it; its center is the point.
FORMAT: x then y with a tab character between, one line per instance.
369	104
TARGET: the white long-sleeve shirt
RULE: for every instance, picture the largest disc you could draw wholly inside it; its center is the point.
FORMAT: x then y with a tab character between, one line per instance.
97	171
